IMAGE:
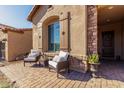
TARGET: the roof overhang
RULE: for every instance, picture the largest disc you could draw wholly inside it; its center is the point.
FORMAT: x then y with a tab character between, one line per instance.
33	12
6	28
19	30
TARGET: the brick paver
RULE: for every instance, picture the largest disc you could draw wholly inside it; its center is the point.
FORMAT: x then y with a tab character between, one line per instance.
111	75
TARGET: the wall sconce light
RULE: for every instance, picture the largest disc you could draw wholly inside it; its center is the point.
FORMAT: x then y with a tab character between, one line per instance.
107	20
61	13
39	36
110	7
63	33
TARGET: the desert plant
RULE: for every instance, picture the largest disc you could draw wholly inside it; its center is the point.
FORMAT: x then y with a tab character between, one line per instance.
94	63
5	84
93	59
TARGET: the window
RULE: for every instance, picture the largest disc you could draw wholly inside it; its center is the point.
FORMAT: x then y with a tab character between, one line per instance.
54	36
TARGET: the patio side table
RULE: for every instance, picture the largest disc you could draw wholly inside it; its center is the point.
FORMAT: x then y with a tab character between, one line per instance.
44	61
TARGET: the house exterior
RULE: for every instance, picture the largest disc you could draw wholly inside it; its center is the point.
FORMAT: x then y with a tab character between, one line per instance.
14	42
79	29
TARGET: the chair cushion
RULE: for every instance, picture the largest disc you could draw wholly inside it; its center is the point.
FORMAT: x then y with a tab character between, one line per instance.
64	55
52	63
60	59
55	58
30	59
32	55
33	51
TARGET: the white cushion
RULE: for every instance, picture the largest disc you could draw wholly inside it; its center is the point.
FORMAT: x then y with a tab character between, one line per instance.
60	59
52	63
64	55
30	59
32	55
35	51
55	58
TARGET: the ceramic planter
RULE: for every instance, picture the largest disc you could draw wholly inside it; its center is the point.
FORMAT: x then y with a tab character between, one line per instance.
94	69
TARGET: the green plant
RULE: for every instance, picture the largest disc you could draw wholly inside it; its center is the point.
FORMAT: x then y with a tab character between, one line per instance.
93	59
5	84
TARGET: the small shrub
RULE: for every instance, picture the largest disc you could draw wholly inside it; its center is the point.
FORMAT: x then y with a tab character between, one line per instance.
5	84
93	59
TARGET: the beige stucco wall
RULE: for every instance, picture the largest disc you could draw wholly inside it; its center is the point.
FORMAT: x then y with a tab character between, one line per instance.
18	44
35	37
118	29
77	27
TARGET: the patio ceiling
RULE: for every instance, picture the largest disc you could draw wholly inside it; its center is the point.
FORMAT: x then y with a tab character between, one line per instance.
110	14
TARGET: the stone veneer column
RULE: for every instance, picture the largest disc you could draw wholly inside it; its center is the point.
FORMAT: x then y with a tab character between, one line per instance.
91	29
64	27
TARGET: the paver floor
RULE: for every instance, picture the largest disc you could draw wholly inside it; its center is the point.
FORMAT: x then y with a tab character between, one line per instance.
111	75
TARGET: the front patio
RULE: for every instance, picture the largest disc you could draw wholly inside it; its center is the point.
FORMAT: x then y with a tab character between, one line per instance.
111	75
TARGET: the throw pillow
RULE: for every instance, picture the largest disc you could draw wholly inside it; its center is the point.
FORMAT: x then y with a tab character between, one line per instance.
60	59
55	58
64	54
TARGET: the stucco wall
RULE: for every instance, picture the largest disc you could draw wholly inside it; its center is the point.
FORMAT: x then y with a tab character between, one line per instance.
77	27
35	37
18	43
118	37
73	24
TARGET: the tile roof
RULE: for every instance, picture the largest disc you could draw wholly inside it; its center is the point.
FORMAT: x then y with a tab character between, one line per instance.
10	28
3	26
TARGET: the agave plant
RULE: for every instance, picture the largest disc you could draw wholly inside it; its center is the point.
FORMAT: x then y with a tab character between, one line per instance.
93	59
94	62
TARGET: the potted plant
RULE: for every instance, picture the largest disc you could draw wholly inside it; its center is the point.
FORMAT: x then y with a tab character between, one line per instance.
93	61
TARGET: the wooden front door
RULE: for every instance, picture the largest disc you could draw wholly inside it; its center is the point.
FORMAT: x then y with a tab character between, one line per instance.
108	44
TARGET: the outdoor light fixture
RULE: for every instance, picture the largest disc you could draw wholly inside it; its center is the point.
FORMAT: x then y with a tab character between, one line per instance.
39	36
108	20
110	7
63	33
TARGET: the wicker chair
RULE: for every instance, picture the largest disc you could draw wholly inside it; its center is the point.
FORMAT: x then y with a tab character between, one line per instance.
61	64
34	57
